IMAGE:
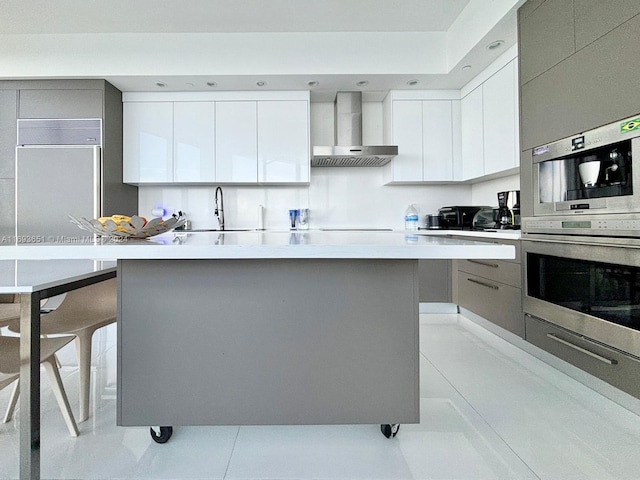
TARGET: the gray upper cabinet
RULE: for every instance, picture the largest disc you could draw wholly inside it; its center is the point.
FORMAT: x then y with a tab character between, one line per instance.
546	38
60	103
595	18
8	105
593	87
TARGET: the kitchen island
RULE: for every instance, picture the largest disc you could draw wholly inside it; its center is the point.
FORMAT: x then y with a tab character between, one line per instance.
265	327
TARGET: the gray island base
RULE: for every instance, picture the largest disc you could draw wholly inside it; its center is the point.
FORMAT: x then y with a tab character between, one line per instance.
267	342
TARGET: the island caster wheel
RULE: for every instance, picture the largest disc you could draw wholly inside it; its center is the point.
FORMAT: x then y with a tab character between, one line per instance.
390	430
163	436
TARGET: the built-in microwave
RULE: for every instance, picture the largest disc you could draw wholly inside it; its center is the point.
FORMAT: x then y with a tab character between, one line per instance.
591	173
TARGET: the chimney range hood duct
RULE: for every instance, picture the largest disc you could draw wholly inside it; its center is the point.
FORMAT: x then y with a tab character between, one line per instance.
349	151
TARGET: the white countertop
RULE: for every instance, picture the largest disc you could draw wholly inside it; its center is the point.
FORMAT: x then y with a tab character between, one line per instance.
26	276
267	244
500	234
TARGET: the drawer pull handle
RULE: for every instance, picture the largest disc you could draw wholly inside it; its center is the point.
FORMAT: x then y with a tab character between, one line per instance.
486	264
583	350
494	287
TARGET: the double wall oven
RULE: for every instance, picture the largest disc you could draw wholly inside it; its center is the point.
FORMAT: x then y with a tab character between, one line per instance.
582	252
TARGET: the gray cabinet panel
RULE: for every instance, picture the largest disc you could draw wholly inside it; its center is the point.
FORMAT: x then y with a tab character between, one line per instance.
268	342
595	18
435	283
496	270
528	8
495	301
609	365
60	104
526	183
589	89
546	38
7	207
8	108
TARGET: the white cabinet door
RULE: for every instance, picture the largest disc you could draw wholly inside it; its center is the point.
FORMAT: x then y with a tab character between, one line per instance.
193	142
236	142
407	135
283	141
148	142
437	140
472	135
499	114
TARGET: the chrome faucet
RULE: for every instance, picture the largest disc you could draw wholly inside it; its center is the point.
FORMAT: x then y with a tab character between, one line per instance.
219	211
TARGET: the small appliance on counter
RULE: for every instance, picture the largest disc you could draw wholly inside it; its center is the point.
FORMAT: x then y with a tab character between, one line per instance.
458	218
509	210
486	219
433	222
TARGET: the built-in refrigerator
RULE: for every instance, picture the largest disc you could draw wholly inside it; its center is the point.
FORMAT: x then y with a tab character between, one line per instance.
60	172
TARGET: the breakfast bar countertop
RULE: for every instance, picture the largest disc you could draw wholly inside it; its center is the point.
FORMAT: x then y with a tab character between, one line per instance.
263	244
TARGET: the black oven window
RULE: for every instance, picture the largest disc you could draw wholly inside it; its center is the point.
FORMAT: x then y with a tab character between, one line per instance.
604	290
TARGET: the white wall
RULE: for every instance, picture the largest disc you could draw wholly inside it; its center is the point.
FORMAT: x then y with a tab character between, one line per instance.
485	193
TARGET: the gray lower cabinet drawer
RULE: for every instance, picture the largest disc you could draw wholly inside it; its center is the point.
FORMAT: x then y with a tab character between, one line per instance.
612	366
495	270
494	301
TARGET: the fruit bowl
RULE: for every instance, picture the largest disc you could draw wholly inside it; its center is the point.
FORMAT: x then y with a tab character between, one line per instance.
122	226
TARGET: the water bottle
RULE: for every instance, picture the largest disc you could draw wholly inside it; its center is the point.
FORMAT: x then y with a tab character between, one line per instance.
411	218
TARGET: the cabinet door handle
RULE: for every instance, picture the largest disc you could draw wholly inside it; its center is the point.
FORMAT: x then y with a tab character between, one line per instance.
488	285
608	361
486	264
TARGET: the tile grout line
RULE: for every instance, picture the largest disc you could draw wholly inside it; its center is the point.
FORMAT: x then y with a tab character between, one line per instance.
226	470
480	416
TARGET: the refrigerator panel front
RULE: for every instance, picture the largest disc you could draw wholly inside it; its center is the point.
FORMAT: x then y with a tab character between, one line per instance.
53	183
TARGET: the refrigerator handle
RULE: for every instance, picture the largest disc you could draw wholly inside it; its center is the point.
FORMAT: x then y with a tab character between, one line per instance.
97	182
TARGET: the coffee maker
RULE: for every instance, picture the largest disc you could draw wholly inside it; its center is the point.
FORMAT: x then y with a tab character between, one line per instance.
509	210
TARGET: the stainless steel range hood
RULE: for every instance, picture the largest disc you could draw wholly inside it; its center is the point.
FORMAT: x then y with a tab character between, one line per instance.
349	151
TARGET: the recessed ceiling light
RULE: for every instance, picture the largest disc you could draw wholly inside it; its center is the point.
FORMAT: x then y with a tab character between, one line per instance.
161	84
261	84
362	83
413	82
313	83
212	84
496	44
466	67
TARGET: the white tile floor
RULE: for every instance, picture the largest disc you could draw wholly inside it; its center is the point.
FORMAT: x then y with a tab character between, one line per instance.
488	411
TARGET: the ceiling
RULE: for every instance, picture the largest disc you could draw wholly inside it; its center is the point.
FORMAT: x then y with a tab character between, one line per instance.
208	16
284	43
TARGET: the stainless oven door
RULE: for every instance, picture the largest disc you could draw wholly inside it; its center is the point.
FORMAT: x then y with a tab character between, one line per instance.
590	289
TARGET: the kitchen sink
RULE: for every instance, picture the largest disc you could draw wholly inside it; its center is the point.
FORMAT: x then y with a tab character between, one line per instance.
196	230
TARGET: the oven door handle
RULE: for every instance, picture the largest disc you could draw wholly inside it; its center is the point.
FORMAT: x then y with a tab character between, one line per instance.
608	361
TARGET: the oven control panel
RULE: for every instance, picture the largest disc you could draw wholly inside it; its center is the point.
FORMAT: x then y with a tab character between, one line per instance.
604	226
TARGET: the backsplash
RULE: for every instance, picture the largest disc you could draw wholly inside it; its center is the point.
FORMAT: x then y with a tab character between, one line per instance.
336	197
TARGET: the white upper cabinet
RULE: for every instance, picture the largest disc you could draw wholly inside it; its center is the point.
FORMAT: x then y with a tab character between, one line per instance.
283	141
236	142
490	143
221	137
407	135
500	120
425	133
148	142
194	142
472	135
438	140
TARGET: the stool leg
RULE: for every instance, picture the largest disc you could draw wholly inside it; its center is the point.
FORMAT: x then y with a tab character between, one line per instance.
83	347
13	401
61	396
